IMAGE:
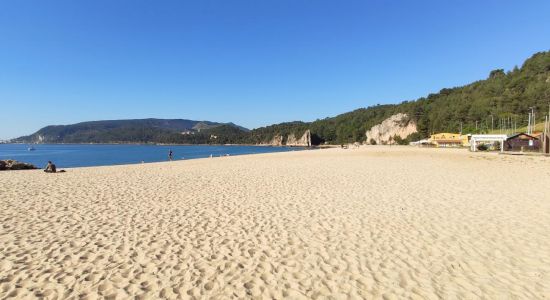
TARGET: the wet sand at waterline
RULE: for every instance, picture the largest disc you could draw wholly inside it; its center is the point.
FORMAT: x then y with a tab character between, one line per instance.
330	224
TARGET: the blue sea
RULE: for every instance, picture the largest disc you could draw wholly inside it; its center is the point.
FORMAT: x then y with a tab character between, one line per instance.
73	155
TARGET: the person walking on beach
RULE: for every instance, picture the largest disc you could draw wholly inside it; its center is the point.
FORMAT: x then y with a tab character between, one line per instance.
170	155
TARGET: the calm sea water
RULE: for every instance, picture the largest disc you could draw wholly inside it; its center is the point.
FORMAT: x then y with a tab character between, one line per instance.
67	156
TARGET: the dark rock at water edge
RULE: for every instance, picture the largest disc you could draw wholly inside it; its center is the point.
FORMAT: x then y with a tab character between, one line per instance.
11	164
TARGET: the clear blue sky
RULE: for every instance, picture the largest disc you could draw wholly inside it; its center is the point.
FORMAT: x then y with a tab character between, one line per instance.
250	62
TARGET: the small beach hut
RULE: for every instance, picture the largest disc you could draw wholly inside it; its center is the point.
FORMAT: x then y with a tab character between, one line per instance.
522	142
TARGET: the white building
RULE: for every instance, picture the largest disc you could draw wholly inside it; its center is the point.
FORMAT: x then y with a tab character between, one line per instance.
424	142
487	138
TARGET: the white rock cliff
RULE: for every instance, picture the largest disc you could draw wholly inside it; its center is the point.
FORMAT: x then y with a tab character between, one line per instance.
291	140
396	125
304	141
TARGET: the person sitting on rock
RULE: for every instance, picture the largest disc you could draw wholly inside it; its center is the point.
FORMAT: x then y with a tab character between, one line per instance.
50	168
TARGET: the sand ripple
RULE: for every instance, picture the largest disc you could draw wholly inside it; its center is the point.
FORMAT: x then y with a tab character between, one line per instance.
333	224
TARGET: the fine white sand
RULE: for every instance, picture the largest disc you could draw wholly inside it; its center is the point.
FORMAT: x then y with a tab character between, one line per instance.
375	222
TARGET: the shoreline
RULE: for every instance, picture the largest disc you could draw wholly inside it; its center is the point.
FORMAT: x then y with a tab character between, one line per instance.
161	144
374	148
164	161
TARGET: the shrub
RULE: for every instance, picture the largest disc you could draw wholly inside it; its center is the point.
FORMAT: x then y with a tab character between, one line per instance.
482	147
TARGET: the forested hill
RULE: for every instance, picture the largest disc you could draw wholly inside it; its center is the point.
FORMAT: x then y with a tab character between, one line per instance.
130	131
502	95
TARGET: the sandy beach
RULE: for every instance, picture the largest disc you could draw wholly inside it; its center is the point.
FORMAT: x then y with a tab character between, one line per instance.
369	223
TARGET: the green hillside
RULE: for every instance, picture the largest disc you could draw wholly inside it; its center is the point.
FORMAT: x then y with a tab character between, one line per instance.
539	127
133	131
503	94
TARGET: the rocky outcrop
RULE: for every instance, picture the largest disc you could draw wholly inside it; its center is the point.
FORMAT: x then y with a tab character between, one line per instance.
291	140
396	125
276	140
15	165
304	141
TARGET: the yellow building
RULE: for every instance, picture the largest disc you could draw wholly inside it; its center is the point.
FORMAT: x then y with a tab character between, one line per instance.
450	140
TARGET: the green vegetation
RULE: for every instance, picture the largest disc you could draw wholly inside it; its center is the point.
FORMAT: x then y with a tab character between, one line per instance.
482	147
175	131
502	96
507	130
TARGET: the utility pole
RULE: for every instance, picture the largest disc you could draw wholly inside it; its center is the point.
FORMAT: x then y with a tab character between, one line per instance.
547	127
534	121
529	125
544	134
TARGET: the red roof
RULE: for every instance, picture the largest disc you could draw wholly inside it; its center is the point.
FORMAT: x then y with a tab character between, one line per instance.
523	136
